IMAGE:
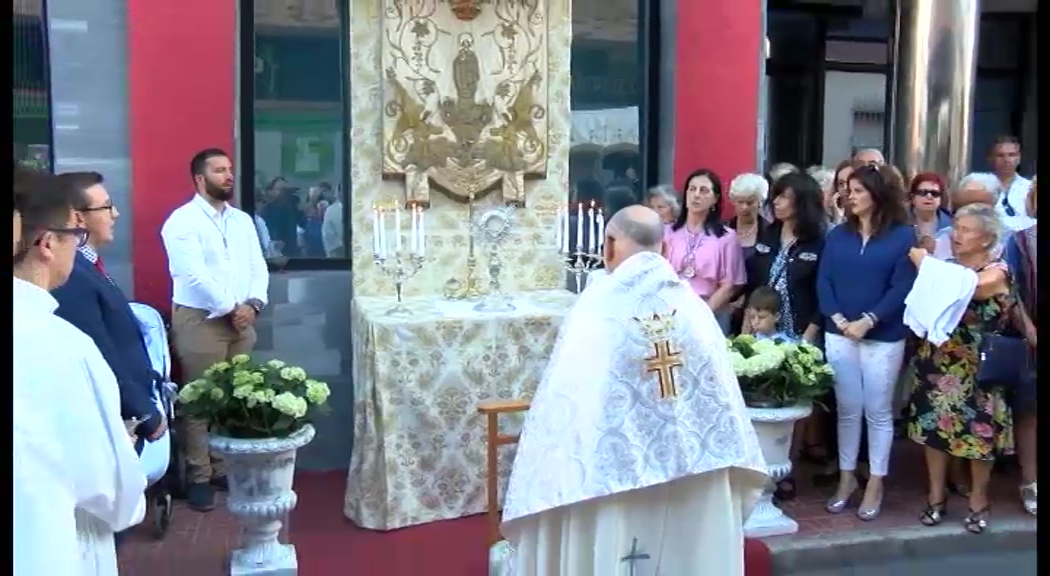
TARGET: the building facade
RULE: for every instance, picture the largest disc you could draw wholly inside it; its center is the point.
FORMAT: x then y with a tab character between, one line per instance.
655	90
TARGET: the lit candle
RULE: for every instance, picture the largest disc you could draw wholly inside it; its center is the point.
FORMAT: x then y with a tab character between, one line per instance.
413	239
579	227
382	232
565	231
591	246
375	231
397	229
422	232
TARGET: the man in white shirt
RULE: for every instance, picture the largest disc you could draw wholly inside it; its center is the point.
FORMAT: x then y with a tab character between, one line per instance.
76	476
1005	157
332	230
219	284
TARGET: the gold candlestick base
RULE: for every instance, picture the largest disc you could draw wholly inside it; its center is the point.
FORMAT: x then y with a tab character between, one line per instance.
468	289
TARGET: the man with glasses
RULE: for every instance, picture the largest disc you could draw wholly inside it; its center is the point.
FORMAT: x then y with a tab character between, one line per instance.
76	477
92	301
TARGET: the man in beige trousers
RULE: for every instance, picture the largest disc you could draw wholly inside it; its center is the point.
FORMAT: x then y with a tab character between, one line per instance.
219	283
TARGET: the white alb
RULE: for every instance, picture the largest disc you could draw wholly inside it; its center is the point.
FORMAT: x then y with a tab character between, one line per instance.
77	479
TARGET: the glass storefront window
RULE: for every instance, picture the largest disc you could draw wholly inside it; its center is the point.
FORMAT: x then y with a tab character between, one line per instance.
31	134
606	97
298	180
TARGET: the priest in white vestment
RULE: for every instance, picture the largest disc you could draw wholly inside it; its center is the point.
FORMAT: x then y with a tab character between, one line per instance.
76	476
637	457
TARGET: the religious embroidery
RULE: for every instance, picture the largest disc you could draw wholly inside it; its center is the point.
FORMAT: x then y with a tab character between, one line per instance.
664	360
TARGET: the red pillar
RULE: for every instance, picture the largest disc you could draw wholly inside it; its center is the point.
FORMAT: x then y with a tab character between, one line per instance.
181	74
716	84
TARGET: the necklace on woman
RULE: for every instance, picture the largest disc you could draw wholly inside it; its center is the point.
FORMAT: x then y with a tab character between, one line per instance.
689	262
747	233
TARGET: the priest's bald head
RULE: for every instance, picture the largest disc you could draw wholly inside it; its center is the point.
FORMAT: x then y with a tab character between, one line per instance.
632	230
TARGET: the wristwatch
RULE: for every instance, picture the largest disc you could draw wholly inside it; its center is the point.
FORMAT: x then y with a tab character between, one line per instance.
256	304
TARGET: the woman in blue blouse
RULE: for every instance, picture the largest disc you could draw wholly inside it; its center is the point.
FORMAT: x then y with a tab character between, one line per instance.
862	282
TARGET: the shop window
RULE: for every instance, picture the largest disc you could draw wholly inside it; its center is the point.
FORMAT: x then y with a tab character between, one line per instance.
607	96
31	134
294	133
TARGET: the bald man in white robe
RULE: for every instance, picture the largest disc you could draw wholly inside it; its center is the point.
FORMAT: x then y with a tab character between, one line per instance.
641	460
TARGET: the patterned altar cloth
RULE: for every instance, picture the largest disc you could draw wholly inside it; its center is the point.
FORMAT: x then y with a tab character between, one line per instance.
419	443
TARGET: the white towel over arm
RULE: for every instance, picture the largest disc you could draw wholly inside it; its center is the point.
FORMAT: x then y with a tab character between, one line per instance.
938	299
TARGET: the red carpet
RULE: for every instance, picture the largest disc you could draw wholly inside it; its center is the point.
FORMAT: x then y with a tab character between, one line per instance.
327	541
330	545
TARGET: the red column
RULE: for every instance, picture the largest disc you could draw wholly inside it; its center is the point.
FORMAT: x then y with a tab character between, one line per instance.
716	84
181	74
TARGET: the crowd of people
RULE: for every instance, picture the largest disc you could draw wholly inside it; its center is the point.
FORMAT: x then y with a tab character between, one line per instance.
87	396
834	256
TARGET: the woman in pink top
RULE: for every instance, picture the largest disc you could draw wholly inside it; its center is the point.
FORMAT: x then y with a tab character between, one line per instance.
705	253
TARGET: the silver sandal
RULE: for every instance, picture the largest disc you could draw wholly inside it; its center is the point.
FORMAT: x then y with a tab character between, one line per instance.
1028	497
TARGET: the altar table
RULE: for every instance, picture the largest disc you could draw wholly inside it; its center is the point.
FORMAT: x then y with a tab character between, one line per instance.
419	444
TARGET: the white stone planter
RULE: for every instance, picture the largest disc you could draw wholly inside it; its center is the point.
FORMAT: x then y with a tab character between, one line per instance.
260	475
775	427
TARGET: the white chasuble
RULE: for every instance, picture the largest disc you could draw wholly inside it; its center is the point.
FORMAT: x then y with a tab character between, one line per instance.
637	457
77	479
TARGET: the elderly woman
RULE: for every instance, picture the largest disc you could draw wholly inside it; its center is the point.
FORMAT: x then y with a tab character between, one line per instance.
779	169
926	202
862	282
664	201
705	253
951	414
1020	256
974	188
747	193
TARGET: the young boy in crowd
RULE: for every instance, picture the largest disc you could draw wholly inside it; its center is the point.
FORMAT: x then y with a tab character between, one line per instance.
763	313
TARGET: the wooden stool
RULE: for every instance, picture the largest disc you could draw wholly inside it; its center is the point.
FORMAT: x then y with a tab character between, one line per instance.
491	409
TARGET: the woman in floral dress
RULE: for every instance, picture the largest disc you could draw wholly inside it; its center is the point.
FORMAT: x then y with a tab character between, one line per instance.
949	413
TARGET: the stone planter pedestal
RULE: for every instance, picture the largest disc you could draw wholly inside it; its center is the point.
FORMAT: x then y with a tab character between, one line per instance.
775	427
260	475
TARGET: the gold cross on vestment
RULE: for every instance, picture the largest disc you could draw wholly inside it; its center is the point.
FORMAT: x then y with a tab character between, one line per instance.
662	363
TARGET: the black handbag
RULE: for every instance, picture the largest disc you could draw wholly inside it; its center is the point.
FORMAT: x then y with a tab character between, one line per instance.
1002	361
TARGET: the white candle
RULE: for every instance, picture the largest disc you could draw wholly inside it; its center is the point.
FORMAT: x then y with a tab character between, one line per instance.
591	243
601	232
375	231
397	229
381	225
565	231
422	233
579	227
413	238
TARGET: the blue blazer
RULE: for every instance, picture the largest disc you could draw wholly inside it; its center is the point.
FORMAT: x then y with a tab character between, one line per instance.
89	301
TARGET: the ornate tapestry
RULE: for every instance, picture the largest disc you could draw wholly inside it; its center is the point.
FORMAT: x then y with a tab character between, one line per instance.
465	97
530	251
